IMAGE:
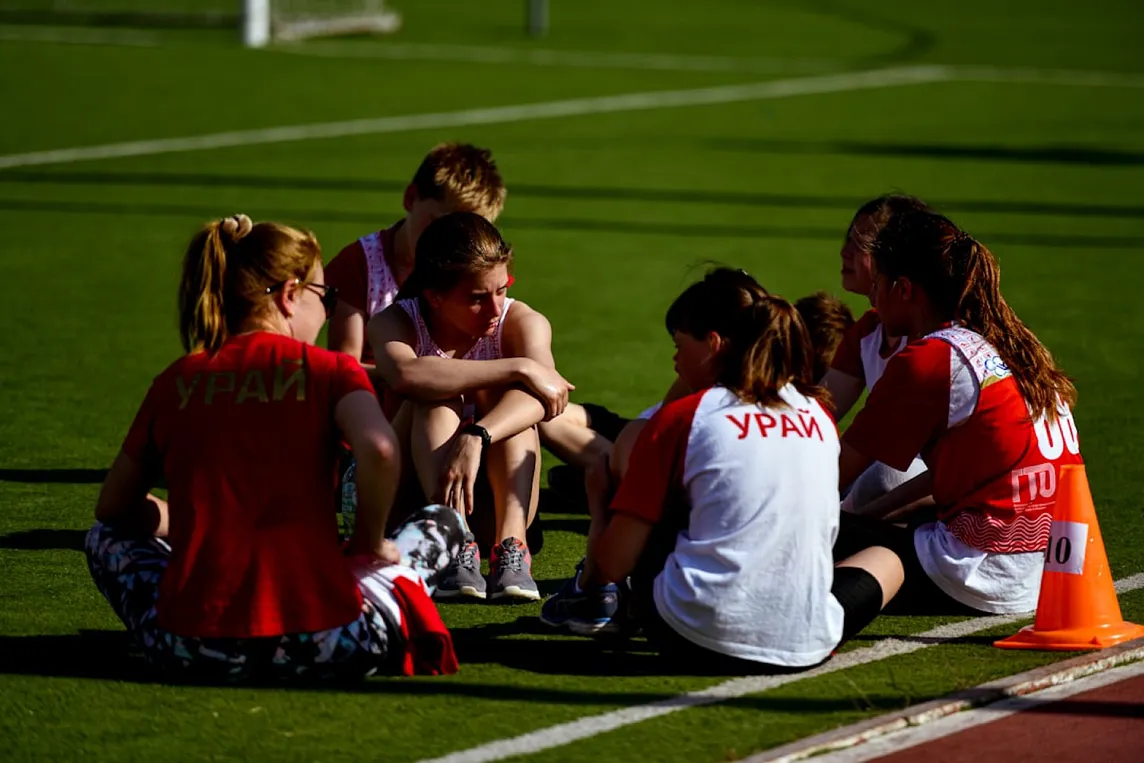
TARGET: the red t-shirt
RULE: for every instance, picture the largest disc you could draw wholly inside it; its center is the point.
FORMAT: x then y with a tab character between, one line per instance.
247	443
955	402
349	271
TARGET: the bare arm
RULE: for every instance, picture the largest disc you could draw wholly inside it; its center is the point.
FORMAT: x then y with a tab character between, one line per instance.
393	338
378	469
527	335
124	500
903	500
618	549
346	332
851	464
844	391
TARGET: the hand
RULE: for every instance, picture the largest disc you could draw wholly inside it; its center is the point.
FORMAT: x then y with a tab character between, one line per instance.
460	475
548	386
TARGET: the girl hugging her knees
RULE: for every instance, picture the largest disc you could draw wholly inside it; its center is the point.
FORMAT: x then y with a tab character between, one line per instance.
476	374
239	573
719	534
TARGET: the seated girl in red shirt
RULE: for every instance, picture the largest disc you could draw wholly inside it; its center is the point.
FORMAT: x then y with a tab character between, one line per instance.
980	398
239	573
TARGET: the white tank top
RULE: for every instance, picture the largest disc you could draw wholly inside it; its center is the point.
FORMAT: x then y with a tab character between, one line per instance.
382	289
486	348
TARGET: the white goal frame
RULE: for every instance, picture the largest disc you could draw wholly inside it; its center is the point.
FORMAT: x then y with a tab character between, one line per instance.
259	27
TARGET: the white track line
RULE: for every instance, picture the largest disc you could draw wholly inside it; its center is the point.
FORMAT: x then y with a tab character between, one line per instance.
77	36
912	737
783	88
590	726
576	59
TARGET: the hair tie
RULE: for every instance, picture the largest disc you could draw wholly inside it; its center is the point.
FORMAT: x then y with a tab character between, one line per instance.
236	226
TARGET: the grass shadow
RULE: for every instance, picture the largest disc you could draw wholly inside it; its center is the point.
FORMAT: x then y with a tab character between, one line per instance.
54	476
44	539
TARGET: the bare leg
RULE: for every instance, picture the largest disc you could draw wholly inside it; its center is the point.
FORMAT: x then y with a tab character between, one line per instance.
571	439
432	429
622	449
883	564
513	468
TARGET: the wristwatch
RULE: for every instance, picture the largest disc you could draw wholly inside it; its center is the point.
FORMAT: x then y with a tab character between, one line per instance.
479	431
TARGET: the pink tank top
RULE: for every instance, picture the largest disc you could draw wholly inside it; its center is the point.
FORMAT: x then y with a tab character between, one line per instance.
382	289
486	348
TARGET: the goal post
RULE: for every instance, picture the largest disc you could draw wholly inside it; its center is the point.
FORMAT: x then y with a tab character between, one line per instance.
266	21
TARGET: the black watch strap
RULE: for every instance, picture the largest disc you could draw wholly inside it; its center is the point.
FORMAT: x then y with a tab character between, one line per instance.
479	431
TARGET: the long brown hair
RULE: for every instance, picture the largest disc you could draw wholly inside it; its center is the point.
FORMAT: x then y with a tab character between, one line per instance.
768	344
227	269
878	212
452	247
962	279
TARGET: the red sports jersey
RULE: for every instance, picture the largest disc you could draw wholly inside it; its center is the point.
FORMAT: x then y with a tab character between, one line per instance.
860	352
246	441
364	278
950	397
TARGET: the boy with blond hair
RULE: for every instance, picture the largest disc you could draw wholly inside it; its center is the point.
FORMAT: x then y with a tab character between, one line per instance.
453	177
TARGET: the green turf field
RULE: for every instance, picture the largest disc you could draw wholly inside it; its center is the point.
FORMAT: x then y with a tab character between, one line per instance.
1032	137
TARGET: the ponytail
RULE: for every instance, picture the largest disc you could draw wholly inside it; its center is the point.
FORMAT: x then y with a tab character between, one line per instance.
767	343
780	354
962	280
227	269
982	308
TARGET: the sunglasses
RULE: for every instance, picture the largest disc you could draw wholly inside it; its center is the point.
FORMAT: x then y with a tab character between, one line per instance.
327	293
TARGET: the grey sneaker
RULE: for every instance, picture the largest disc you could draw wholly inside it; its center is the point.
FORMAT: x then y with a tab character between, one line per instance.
463	577
510	571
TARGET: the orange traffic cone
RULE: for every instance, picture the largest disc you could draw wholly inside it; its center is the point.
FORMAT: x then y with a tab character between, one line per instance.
1077	608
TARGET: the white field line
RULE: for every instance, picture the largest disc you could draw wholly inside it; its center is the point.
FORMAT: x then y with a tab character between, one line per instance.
660	99
903	740
590	726
77	36
783	88
576	59
1060	77
582	59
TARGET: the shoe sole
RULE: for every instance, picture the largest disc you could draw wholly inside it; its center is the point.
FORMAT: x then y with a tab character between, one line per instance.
583	628
516	592
466	591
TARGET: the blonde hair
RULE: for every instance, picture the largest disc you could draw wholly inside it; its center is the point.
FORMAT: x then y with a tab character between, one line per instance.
463	176
826	318
228	267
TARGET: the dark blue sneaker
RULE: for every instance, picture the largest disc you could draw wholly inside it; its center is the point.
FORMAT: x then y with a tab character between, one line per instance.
586	613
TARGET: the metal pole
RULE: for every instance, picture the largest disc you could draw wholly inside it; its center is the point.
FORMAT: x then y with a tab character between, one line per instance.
256	23
537	17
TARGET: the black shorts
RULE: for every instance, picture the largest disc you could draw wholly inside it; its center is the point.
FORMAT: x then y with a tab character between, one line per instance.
919	595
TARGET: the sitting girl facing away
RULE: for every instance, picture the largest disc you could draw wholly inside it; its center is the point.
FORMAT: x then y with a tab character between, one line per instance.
476	373
980	398
240	575
726	516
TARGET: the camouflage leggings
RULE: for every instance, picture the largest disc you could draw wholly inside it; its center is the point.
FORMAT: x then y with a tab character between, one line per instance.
127	570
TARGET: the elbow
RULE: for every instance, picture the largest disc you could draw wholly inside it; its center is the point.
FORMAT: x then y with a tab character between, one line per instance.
379	449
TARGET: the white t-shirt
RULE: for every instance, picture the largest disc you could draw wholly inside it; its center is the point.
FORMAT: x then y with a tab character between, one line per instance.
750	577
